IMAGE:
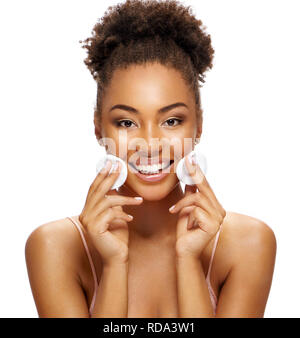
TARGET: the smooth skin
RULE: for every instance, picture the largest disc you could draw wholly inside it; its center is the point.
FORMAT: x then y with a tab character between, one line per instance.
153	265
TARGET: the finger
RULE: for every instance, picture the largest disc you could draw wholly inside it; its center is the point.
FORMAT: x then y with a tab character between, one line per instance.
201	182
196	199
205	222
119	214
191	220
197	175
182	224
189	189
199	178
106	184
195	172
116	200
99	178
194	217
104	218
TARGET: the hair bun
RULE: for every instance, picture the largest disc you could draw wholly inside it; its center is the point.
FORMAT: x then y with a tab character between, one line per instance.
135	20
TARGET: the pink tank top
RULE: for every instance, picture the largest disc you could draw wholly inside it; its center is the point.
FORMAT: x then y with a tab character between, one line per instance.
210	289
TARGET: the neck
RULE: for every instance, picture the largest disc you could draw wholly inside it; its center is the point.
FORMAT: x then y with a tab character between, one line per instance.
152	219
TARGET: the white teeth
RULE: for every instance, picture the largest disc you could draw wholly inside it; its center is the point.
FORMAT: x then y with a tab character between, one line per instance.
152	169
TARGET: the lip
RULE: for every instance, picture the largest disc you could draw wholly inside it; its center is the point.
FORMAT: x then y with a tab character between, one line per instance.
152	161
152	177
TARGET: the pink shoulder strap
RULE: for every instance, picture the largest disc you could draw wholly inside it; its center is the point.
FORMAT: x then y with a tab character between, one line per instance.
90	260
213	254
213	297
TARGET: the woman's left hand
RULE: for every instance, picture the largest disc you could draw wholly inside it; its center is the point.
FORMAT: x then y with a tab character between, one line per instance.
200	215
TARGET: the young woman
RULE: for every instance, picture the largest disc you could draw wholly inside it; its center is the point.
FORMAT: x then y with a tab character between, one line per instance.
192	260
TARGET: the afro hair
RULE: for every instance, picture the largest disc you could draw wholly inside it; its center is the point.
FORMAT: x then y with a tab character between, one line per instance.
138	31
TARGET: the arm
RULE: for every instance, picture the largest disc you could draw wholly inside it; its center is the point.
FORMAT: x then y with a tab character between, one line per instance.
52	264
111	300
55	284
193	295
246	288
250	251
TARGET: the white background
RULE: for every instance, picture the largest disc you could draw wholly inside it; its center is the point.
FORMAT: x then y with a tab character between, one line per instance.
250	130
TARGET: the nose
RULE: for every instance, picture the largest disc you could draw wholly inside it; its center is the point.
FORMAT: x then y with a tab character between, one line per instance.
151	136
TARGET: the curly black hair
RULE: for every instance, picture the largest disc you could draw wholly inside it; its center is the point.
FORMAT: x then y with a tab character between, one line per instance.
137	31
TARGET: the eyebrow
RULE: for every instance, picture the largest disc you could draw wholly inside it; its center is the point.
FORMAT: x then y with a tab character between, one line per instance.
161	110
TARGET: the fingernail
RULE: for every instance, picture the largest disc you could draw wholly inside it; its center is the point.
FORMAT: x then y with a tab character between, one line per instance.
105	167
172	207
115	167
131	217
192	160
138	198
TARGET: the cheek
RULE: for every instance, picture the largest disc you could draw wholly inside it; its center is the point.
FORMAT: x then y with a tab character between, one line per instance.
121	140
182	144
116	141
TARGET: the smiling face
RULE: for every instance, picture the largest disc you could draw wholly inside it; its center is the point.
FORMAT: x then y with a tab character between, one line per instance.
149	113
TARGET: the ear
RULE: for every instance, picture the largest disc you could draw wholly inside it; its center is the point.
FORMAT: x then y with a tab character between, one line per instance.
199	130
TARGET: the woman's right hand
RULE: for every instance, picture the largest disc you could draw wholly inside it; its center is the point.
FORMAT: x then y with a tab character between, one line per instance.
104	218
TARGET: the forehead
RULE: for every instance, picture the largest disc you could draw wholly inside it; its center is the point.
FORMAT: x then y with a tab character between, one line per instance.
149	84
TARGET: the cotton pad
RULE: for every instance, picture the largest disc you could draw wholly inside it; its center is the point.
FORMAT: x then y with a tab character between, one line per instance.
182	172
114	159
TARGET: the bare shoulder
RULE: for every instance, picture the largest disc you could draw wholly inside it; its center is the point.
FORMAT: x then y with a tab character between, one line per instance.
56	238
54	263
245	265
247	229
247	235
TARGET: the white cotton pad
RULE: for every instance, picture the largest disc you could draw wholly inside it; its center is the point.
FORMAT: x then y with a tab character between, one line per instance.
114	159
181	170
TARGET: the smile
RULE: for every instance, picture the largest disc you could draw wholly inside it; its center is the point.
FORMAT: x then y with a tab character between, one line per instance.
151	173
151	169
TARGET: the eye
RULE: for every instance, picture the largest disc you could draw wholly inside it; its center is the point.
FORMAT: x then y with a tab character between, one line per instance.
172	122
127	123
